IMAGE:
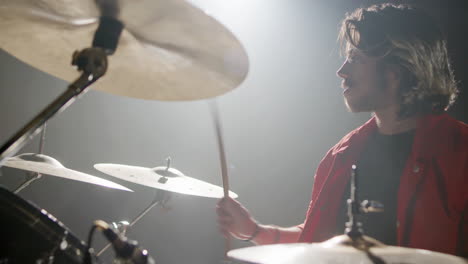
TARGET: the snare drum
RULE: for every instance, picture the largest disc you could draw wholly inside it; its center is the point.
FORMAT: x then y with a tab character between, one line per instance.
31	235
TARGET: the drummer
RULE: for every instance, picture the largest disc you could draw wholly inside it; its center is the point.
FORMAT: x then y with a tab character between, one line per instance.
411	155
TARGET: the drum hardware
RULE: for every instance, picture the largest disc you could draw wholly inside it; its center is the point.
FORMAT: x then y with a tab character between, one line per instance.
39	164
161	198
355	208
166	180
121	226
353	228
127	251
49	257
92	63
35	176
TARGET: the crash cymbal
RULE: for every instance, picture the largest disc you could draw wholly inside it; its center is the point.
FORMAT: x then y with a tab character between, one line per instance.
167	179
332	252
47	165
169	50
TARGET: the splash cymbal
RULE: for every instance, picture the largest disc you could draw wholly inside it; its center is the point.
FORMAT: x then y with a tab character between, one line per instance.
163	178
168	50
47	165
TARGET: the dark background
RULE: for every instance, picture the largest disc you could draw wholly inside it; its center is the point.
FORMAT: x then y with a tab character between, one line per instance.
277	126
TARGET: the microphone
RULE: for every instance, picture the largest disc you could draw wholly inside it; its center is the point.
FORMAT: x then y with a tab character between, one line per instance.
125	249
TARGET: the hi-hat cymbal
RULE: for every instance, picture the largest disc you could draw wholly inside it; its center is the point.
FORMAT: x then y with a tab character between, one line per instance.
163	178
47	165
332	252
169	50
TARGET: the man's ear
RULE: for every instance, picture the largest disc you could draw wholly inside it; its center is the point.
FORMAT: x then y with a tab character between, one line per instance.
393	72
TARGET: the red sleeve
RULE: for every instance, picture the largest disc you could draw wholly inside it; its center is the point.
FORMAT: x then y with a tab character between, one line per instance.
464	235
321	174
463	239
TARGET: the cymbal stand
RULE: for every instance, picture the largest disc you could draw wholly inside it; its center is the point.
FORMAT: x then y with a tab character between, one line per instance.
353	226
86	62
35	176
92	62
161	198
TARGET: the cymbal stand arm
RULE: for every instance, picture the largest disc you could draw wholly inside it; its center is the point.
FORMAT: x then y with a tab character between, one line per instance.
160	198
36	175
42	139
93	63
26	183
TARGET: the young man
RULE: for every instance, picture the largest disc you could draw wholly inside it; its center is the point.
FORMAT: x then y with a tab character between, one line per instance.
411	155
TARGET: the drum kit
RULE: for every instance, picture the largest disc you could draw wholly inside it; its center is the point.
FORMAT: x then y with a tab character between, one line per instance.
158	50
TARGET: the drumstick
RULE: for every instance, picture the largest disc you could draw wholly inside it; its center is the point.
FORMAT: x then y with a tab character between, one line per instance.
222	158
222	155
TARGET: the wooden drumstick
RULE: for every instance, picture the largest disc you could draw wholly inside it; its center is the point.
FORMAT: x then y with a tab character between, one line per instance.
222	158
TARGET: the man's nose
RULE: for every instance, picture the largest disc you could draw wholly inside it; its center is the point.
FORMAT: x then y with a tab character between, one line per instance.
342	72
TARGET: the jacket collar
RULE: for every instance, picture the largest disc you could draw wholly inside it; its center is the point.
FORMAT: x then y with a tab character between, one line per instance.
356	138
432	137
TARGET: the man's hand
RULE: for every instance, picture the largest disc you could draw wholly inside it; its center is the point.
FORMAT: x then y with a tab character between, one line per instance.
235	219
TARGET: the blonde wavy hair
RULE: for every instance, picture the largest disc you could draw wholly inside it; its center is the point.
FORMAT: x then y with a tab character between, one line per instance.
410	39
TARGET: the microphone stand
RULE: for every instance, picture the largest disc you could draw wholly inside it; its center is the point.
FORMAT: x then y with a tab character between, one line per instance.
160	198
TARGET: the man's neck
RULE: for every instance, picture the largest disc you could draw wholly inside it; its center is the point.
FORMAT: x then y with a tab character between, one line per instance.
389	123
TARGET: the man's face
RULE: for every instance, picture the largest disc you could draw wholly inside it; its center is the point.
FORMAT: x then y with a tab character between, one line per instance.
366	86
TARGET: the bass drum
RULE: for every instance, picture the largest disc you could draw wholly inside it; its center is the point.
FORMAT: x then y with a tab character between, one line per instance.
31	235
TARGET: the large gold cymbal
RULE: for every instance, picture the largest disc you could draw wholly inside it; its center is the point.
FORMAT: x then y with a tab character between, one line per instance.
169	49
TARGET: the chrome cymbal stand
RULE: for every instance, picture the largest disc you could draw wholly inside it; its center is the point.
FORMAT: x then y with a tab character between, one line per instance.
355	208
353	226
36	175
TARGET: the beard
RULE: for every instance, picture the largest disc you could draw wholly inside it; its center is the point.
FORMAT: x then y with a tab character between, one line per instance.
369	99
365	103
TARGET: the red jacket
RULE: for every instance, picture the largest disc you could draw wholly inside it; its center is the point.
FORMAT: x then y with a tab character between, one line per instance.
433	193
